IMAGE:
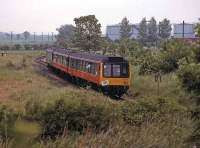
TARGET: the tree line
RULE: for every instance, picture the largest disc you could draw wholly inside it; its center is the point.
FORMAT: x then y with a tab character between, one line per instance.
87	34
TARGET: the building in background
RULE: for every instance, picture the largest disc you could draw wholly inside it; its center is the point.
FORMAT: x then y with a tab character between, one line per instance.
113	31
183	30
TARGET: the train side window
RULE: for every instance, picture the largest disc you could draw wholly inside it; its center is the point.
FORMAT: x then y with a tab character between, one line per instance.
74	63
88	67
67	61
81	68
79	64
61	57
84	66
107	70
93	68
71	63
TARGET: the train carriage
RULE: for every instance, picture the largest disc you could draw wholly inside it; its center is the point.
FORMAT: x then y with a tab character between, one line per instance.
111	74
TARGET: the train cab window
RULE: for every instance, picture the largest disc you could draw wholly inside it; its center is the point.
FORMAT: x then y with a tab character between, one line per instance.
116	70
125	71
107	70
120	70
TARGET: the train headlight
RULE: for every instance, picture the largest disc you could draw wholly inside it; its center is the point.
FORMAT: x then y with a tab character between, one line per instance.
105	83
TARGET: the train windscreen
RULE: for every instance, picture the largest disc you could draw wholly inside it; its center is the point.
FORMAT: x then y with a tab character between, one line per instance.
116	70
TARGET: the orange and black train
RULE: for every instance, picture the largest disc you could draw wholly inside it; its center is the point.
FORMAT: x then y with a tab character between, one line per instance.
110	74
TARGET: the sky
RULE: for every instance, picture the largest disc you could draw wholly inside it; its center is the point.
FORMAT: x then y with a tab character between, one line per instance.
47	15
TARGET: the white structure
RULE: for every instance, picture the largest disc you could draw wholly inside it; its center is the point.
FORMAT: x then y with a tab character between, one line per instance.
113	31
178	31
183	31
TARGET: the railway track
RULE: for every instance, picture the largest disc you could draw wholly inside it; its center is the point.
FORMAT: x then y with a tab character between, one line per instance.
43	69
41	60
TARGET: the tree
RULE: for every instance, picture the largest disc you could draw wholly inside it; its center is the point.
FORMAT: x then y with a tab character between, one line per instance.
197	29
26	35
125	29
65	35
165	29
123	47
152	31
143	32
87	32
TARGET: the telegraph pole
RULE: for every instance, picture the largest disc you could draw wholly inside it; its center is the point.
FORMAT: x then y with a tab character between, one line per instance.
34	36
48	37
11	35
42	36
52	36
183	29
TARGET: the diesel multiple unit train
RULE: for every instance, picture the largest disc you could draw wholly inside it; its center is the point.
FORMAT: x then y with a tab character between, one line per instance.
110	74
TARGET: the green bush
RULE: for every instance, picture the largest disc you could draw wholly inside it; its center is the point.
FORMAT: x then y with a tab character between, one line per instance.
189	75
197	53
7	122
17	46
167	60
150	110
27	47
74	117
5	47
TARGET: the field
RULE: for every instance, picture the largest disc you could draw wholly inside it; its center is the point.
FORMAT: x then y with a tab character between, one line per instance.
148	118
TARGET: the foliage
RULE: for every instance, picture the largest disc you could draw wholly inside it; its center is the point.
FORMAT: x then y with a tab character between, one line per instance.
125	29
27	47
7	121
150	111
152	31
143	32
195	137
167	60
5	47
26	35
123	47
87	34
65	35
197	52
61	116
17	46
189	75
198	29
164	29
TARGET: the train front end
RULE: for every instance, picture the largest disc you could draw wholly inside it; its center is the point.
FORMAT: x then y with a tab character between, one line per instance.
115	76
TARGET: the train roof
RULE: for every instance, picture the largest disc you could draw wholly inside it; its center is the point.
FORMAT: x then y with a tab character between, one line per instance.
89	56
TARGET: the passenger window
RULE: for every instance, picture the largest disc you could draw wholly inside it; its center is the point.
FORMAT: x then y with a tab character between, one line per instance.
88	67
107	70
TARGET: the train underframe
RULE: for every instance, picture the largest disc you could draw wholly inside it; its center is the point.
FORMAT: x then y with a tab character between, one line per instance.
113	91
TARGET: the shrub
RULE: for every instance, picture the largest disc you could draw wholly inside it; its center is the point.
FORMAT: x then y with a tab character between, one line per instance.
75	117
7	121
189	75
17	46
150	110
27	47
197	53
167	60
34	110
5	47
